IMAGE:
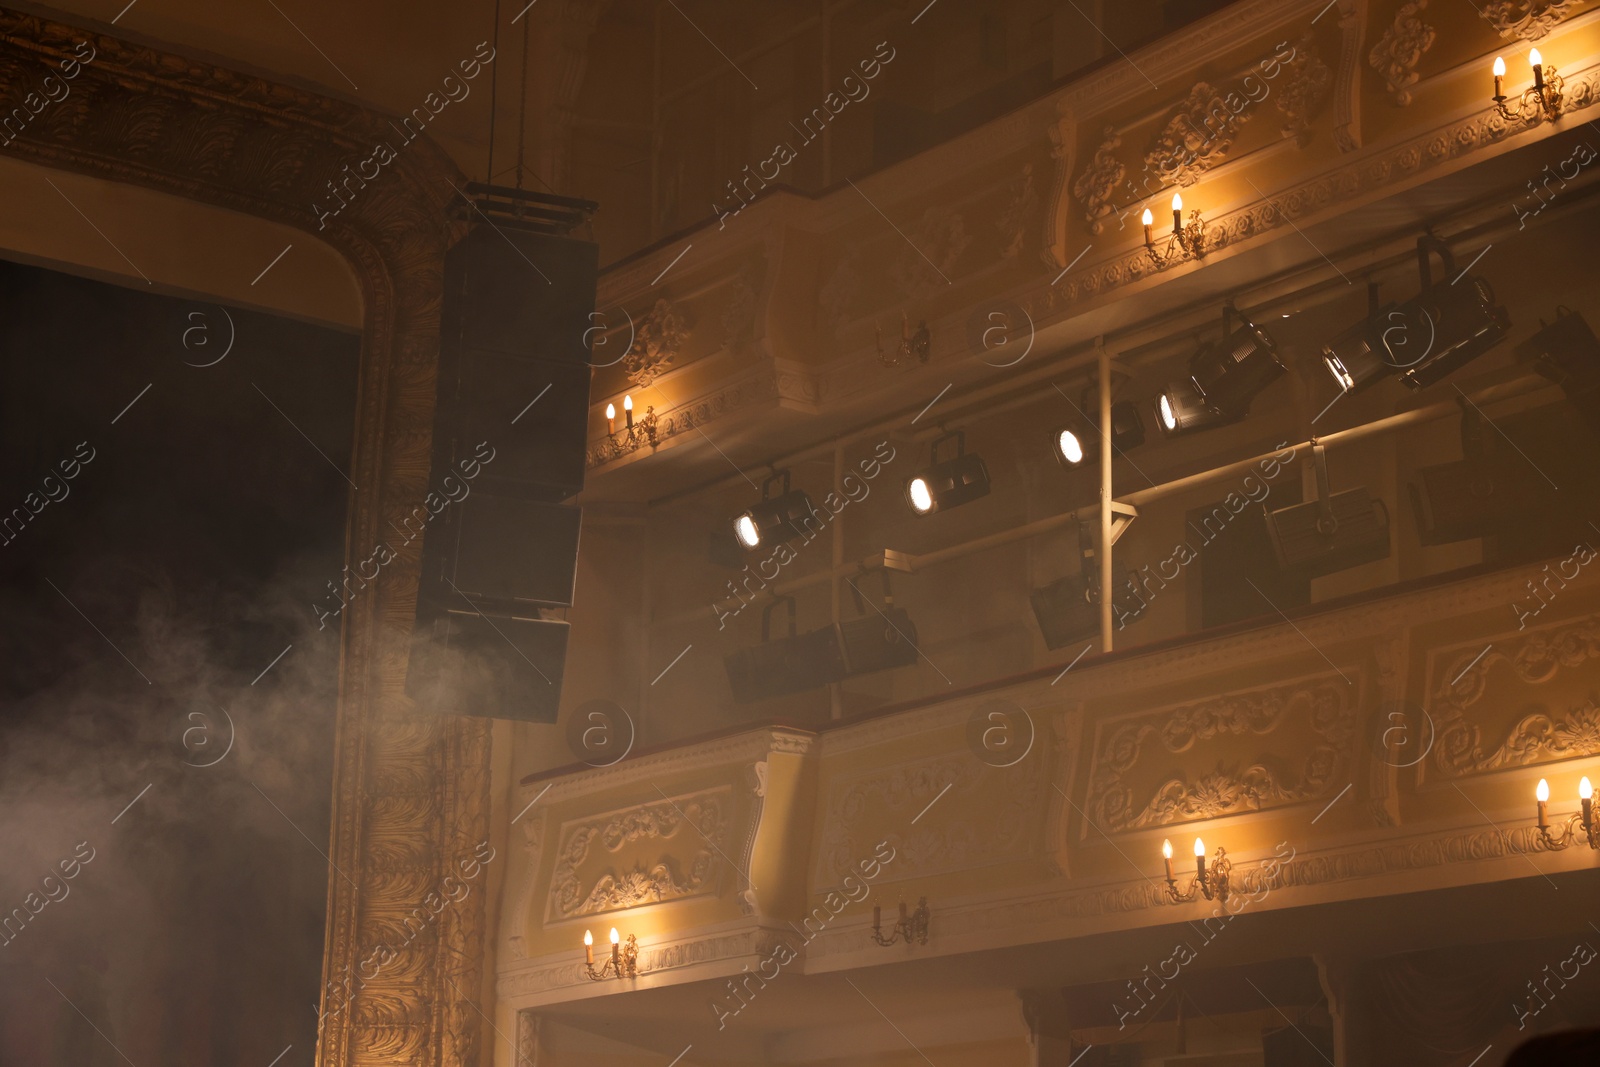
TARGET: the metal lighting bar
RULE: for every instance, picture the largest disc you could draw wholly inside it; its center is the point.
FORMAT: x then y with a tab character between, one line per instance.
1104	359
1127	507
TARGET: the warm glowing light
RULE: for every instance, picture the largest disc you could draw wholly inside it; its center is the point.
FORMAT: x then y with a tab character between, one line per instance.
611	412
1166	849
1149	219
1167	417
588	938
744	528
627	402
1071	447
1534	59
1177	201
614	937
1585	790
921	498
1542	792
1499	67
1199	847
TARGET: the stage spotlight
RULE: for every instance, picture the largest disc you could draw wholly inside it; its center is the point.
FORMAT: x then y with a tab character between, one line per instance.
775	518
881	639
1068	610
786	665
1181	409
1458	501
1334	532
946	484
1231	370
1442	328
1566	352
1079	443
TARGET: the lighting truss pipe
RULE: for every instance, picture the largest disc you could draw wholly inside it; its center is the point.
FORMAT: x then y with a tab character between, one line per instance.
1376	428
1104	359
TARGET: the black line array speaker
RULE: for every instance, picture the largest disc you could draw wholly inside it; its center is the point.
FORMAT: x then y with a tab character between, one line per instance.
501	549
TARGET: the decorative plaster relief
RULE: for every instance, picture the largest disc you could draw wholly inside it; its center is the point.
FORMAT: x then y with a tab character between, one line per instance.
1526	19
1303	90
1400	49
1097	186
656	343
1189	144
988	815
1540	657
926	265
695	827
1211	783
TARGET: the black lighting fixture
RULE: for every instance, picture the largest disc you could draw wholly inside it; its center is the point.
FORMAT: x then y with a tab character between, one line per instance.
1446	325
1068	609
1332	533
1566	352
777	517
784	665
1181	409
1225	375
1231	370
879	639
1078	443
1460	500
949	483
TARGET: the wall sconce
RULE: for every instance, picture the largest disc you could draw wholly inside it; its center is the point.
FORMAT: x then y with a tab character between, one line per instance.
1539	102
1211	881
1582	819
907	928
633	435
913	345
1188	241
624	961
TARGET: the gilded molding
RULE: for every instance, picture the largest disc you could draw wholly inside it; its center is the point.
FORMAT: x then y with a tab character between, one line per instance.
706	814
1537	658
1400	49
1272	780
410	793
1528	20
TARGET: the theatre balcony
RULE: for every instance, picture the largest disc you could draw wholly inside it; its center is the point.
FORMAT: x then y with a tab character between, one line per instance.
900	645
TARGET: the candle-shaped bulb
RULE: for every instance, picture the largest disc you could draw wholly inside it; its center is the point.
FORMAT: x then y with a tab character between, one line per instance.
1542	791
1500	67
1177	212
1585	790
1149	224
611	412
1535	60
614	937
1149	217
1166	849
588	938
588	947
1199	847
627	409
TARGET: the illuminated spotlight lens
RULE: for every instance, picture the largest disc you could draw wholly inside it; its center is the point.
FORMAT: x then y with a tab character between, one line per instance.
1071	448
744	528
1168	419
921	498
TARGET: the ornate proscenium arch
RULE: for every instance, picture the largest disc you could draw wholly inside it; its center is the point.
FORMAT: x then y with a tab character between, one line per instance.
410	793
